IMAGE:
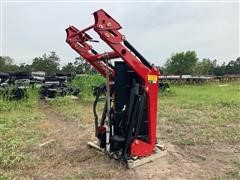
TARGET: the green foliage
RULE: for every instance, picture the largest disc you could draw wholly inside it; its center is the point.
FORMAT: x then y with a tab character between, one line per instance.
219	70
203	67
61	101
16	118
86	84
181	63
48	63
6	64
233	67
80	66
201	114
187	63
23	67
7	105
69	68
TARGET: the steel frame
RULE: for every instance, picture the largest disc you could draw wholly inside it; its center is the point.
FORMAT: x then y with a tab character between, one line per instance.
108	30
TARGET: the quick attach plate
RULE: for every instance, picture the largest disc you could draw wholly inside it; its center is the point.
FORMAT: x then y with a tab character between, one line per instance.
159	152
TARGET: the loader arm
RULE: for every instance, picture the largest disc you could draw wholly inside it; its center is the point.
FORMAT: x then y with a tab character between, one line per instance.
108	30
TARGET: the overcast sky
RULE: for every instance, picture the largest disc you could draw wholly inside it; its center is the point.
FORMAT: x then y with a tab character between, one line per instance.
156	29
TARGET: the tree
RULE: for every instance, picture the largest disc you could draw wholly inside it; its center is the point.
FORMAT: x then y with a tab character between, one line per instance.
237	66
233	67
82	66
203	67
8	60
23	67
162	70
213	65
7	64
69	68
181	63
2	63
48	63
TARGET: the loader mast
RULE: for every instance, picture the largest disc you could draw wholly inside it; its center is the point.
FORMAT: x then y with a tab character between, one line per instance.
133	88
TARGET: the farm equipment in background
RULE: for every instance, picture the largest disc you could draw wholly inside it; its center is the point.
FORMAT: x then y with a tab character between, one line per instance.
13	85
4	78
58	85
127	129
163	86
37	78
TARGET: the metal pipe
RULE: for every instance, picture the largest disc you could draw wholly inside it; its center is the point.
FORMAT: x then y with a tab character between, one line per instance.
108	106
86	29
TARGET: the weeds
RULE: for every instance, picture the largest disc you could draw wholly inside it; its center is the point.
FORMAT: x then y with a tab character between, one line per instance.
205	113
188	116
18	129
86	83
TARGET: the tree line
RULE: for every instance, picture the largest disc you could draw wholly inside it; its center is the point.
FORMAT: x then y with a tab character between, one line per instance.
49	63
180	63
187	63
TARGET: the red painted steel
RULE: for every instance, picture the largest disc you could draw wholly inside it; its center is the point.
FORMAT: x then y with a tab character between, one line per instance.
107	28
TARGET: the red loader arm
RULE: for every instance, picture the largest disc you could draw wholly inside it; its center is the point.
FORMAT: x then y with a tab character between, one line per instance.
108	30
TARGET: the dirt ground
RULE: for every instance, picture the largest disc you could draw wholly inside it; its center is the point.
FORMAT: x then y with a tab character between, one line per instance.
63	154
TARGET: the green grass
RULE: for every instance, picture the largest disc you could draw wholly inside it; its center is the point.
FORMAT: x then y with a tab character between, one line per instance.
188	115
86	84
76	109
79	109
19	131
201	114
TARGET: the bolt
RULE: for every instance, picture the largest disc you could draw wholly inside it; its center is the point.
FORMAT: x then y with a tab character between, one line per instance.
100	26
109	24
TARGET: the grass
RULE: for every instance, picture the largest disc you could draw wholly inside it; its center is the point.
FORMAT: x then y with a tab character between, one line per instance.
201	114
73	109
188	115
19	131
80	109
20	127
86	84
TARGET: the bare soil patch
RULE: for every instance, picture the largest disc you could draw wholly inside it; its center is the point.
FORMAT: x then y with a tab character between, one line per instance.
69	157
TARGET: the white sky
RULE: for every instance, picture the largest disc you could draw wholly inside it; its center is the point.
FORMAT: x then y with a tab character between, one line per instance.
155	29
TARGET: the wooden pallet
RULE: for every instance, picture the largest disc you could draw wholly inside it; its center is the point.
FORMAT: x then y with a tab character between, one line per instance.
135	162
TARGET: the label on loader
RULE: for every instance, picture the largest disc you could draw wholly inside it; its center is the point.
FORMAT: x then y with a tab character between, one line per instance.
152	78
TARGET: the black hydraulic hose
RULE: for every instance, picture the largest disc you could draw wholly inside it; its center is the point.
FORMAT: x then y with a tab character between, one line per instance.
94	51
95	113
143	60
